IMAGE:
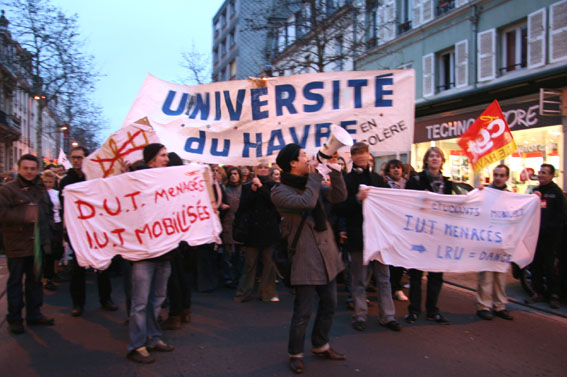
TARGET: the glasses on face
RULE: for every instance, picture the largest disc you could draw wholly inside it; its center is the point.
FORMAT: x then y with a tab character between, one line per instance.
496	175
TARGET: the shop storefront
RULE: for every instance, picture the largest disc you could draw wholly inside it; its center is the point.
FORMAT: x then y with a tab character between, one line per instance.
539	139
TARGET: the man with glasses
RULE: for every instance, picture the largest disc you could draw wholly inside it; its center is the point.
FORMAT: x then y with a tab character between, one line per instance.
491	292
77	283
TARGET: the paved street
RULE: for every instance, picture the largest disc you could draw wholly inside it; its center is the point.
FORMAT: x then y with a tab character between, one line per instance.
235	339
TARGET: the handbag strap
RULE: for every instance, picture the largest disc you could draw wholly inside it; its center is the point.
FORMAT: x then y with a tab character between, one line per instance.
291	249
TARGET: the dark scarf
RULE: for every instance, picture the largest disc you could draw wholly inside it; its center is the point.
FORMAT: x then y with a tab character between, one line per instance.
372	178
436	181
232	184
318	213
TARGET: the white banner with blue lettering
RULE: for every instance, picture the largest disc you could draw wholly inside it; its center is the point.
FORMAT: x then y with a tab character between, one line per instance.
484	230
249	121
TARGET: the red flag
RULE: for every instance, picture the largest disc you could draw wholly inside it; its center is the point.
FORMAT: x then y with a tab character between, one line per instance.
488	139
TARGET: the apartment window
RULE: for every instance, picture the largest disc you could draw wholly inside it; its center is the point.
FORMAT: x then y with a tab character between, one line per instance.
444	6
406	15
514	43
372	28
339	51
231	9
281	39
291	30
299	24
231	37
217	28
446	66
233	69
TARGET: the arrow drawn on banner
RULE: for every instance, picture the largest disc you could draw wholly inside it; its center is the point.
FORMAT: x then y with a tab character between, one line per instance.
419	248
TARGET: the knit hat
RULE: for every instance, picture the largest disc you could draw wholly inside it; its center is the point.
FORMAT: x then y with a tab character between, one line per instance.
288	154
151	151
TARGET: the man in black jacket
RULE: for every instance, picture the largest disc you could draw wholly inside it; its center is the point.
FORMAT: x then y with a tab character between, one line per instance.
352	210
77	284
25	212
549	240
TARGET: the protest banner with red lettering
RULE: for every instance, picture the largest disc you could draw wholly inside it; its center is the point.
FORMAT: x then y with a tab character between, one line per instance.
488	139
140	215
246	122
124	146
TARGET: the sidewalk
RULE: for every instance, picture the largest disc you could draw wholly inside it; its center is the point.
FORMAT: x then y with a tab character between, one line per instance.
514	290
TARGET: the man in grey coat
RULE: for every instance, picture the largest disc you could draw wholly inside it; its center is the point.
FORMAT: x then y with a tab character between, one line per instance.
317	260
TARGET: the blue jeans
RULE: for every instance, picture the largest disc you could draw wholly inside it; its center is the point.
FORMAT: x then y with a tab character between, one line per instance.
149	286
17	267
386	308
302	307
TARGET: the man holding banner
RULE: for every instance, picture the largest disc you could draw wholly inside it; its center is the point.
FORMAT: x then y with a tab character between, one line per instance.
491	292
430	179
361	174
77	285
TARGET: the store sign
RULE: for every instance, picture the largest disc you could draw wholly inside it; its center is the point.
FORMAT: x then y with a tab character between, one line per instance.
452	125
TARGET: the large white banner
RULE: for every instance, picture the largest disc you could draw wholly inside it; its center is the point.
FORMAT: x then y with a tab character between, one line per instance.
484	230
139	215
249	121
124	146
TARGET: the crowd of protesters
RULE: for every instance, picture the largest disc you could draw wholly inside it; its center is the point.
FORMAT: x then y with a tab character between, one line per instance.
258	208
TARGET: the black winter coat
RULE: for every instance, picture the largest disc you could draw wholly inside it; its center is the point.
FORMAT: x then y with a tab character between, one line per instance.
421	182
351	209
264	219
15	196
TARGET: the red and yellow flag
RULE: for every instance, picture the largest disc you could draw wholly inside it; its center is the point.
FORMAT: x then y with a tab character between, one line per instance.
488	139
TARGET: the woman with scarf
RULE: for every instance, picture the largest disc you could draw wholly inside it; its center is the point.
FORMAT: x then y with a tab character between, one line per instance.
430	179
231	249
262	233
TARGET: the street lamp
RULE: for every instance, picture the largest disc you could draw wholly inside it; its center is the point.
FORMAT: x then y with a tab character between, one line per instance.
75	144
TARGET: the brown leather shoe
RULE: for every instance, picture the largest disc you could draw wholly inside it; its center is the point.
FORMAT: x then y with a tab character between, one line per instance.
186	316
140	355
161	346
330	354
296	365
173	322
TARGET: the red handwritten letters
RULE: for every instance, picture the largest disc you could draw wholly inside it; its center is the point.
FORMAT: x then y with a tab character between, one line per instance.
139	215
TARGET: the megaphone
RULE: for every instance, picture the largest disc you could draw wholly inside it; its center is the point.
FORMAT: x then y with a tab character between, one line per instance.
339	138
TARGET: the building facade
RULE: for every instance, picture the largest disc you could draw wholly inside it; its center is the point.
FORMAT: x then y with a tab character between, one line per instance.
467	53
239	43
19	109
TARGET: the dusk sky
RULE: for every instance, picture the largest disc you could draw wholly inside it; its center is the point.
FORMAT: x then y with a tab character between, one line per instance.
130	39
